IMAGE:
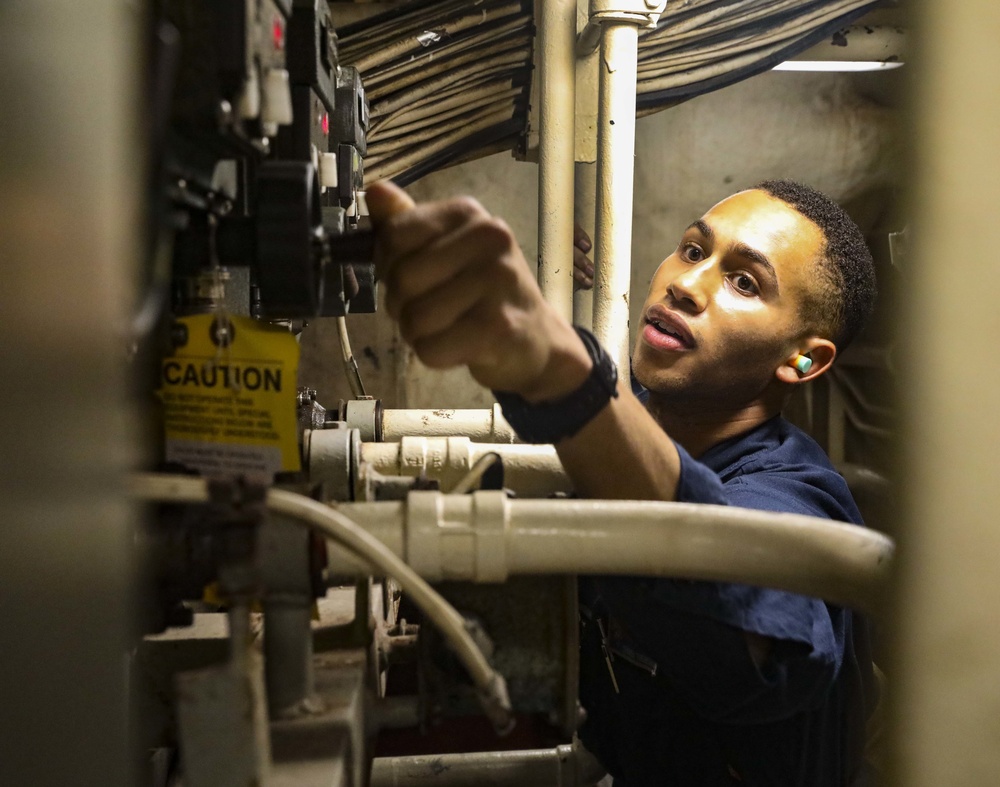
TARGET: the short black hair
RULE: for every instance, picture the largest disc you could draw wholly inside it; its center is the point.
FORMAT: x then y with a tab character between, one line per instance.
845	298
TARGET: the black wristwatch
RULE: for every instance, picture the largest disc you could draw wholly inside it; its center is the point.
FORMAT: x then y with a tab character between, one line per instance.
550	422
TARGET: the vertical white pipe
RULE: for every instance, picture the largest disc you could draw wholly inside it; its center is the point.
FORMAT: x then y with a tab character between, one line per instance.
557	114
584	211
615	164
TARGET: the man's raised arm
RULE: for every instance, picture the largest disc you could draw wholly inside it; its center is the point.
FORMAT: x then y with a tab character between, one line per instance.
462	293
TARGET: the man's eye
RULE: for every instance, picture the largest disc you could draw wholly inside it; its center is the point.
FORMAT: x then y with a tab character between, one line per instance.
692	253
744	284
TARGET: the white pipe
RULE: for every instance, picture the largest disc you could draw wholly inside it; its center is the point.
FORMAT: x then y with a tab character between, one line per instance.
492	689
557	138
486	537
483	426
529	470
615	165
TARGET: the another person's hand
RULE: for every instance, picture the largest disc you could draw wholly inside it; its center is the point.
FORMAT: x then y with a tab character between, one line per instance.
457	283
583	268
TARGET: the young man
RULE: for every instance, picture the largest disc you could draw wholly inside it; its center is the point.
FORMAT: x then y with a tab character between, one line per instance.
712	683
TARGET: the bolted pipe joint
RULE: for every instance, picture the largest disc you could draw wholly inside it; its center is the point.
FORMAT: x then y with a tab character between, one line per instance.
645	13
641	13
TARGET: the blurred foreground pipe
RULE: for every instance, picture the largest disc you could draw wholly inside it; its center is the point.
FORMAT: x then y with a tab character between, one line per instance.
486	537
569	765
944	683
70	214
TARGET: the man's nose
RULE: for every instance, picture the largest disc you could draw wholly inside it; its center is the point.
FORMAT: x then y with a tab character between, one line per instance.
690	287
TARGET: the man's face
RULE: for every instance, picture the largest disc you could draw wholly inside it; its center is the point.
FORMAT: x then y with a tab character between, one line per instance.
724	310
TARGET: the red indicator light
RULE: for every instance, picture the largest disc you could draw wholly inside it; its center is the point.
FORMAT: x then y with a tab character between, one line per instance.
326	123
278	34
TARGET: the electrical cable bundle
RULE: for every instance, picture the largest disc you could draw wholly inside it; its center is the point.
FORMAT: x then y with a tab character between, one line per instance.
444	80
703	45
449	80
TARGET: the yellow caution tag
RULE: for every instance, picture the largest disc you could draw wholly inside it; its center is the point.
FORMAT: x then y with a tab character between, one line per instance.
228	394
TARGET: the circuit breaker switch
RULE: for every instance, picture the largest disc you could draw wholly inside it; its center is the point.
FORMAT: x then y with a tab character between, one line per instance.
276	98
328	170
248	101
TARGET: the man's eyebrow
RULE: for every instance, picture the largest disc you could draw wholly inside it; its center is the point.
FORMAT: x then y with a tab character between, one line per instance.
739	248
752	254
702	227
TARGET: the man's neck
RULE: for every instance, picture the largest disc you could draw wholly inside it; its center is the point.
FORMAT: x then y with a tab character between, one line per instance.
699	428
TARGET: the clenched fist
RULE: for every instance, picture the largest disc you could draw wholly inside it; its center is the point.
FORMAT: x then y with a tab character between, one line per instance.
457	283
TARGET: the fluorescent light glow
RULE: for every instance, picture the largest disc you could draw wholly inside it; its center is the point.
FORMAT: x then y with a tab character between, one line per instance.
837	65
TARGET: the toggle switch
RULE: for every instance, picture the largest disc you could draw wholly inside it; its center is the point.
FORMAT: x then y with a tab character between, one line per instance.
328	170
248	101
276	98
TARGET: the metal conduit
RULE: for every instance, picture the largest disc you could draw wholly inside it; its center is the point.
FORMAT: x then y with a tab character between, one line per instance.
557	137
486	537
615	173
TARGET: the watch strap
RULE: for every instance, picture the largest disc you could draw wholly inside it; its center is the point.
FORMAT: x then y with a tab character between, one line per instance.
552	421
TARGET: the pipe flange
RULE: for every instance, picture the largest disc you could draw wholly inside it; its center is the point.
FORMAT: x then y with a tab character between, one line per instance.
365	415
333	456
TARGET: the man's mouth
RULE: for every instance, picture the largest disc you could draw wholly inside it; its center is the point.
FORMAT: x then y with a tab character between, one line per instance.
663	328
664	331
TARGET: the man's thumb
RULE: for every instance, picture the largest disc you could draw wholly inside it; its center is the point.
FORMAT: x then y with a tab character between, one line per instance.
386	199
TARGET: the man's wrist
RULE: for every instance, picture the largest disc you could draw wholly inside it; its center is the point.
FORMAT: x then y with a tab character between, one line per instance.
568	366
557	414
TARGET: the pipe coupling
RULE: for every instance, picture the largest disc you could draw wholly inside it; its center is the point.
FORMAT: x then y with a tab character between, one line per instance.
457	537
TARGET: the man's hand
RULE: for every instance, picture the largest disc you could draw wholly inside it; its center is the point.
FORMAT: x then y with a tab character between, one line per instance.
458	285
583	268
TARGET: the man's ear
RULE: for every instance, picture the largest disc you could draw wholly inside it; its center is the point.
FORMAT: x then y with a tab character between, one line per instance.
819	351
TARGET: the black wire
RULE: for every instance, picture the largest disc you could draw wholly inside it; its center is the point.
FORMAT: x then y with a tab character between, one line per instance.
513	128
